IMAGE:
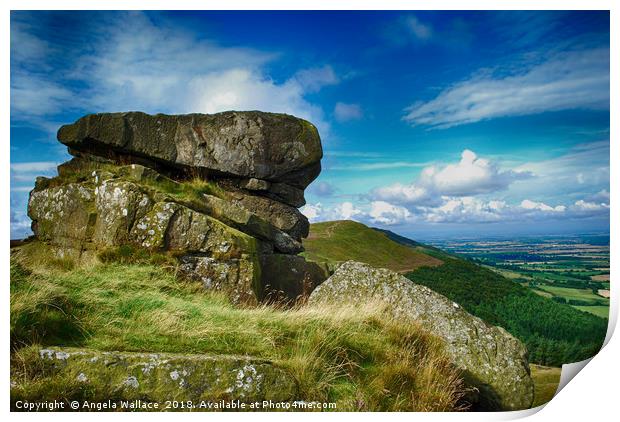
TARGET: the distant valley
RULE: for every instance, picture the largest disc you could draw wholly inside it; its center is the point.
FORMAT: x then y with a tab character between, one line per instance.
568	269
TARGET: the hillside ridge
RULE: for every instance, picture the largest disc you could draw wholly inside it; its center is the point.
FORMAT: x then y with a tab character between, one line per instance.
344	240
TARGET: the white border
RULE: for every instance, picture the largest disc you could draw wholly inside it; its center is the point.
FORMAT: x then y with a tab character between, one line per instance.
590	396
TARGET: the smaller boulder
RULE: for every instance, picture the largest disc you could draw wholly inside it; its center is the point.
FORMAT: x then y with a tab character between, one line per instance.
492	361
154	378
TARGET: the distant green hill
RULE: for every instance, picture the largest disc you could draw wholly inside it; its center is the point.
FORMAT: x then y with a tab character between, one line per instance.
554	333
347	240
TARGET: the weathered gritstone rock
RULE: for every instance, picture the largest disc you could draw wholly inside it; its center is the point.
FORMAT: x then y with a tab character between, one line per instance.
273	147
237	278
114	212
248	222
224	211
119	205
286	218
157	377
281	192
492	360
286	193
64	215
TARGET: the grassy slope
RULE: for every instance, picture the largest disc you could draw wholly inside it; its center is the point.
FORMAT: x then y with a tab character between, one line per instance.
348	240
356	357
546	380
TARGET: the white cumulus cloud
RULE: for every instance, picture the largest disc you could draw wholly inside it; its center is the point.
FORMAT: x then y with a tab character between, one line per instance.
346	211
342	211
385	213
313	212
472	175
130	63
526	204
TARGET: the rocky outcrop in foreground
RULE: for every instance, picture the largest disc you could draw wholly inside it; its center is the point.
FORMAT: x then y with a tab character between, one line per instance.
203	380
219	191
492	361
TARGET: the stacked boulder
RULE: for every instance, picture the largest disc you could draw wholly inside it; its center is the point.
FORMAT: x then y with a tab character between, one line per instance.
220	192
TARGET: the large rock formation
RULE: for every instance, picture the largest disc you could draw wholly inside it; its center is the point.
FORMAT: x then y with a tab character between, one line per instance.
491	359
218	191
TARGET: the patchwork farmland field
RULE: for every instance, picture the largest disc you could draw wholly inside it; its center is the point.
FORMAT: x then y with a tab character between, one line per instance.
576	294
601	311
568	269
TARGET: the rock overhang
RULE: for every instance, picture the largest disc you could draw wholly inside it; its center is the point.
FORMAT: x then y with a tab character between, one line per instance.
236	144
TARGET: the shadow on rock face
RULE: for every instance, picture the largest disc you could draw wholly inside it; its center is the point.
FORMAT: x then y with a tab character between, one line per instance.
482	398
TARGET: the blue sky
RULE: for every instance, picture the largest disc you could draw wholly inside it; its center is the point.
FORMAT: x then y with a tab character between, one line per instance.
433	123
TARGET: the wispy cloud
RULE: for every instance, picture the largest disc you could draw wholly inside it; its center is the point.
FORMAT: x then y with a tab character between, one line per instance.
27	172
36	166
580	171
322	189
357	154
20	225
409	29
378	166
417	28
313	79
344	112
570	80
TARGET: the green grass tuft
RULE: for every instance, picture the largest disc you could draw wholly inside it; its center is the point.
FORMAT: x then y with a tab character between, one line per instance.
131	254
191	190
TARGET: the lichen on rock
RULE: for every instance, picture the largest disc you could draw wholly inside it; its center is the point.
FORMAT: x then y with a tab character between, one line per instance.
160	377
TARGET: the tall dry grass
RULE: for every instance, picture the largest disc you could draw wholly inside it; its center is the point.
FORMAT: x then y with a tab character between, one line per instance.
358	357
